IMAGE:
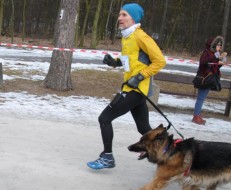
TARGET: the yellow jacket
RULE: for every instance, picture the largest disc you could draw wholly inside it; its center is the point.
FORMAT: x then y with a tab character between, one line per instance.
145	57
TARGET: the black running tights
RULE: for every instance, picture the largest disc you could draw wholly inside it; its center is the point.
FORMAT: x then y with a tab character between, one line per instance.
129	101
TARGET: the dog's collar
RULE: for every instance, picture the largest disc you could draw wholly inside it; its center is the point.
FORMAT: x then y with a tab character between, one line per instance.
166	148
176	141
174	144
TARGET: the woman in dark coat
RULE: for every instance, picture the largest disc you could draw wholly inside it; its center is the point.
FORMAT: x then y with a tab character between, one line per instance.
210	61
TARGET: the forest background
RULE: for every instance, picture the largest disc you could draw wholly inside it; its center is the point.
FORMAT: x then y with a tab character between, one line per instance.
181	26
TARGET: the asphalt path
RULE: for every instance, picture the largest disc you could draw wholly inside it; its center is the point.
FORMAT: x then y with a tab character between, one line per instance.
179	67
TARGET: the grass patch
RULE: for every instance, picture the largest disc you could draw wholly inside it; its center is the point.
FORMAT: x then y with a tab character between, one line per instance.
94	83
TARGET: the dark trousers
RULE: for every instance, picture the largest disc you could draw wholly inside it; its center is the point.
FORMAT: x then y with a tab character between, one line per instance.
129	101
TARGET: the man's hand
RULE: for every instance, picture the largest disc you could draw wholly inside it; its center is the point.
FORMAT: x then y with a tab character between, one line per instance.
110	61
135	80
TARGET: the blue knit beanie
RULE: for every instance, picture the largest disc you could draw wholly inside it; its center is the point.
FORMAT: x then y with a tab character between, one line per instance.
134	10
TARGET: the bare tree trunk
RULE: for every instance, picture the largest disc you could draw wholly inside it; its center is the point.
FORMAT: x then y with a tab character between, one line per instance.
59	74
24	20
12	22
226	20
1	76
77	26
119	3
106	27
95	24
163	22
1	14
170	39
83	30
195	35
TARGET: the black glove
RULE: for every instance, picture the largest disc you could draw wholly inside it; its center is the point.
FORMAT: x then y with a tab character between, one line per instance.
108	59
135	80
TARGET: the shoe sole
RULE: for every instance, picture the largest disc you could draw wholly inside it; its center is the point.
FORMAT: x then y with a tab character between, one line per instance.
99	168
198	123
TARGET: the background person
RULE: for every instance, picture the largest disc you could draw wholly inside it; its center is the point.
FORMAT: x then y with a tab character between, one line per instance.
141	59
211	54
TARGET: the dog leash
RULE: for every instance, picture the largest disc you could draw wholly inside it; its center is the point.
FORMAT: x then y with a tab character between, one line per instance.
159	110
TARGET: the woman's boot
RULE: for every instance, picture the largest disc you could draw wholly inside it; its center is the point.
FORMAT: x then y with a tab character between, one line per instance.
198	120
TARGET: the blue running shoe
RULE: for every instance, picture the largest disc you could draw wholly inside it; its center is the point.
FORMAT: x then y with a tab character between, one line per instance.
105	160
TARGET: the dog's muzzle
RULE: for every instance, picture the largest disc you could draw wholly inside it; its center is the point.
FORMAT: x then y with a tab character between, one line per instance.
143	153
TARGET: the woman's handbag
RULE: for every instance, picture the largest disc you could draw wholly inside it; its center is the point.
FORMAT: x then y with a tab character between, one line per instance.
211	81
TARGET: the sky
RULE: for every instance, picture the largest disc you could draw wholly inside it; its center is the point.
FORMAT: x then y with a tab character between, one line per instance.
46	141
69	108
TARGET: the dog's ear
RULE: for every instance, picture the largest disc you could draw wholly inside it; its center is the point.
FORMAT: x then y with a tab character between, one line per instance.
170	139
160	126
162	135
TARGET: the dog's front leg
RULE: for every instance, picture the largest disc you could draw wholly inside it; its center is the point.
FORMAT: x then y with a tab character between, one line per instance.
190	187
212	187
156	184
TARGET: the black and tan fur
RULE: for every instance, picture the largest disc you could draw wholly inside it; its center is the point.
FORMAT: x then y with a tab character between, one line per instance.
192	163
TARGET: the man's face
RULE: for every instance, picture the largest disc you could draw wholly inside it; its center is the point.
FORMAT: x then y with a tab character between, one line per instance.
125	20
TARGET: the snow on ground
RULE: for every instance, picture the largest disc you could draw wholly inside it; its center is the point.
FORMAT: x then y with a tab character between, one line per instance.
45	141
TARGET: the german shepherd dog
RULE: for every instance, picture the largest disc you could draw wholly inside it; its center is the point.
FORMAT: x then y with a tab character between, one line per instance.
192	163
